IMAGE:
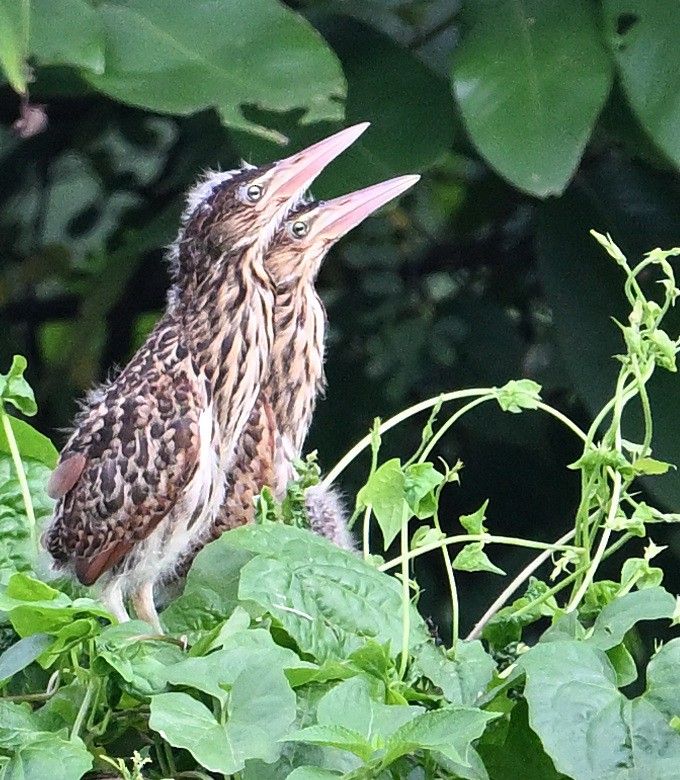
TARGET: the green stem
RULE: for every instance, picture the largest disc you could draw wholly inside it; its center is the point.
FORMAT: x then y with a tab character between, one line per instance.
21	475
454	418
485	538
82	711
366	531
405	600
360	446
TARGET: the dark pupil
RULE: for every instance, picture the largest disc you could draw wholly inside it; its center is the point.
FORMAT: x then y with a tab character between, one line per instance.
299	229
254	192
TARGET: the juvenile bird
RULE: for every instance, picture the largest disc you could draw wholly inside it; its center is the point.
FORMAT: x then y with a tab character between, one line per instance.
142	477
278	425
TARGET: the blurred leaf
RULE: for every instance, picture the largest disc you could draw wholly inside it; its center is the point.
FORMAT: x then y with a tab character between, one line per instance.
473	558
19	655
14	21
48	755
67	32
462	680
409	107
663	682
174	57
642	39
531	88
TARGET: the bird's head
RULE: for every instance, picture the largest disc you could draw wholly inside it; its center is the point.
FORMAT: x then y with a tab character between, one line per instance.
305	236
240	210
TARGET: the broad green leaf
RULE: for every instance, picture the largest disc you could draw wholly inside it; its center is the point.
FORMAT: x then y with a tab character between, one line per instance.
410	108
335	736
623	664
210	593
48	756
14	21
15	390
531	88
641	37
385	491
179	58
142	663
586	725
31	443
23	653
67	32
617	618
312	773
216	673
350	706
462	680
17	725
450	731
329	600
260	712
663	681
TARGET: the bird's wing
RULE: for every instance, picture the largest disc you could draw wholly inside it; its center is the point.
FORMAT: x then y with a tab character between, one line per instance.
123	469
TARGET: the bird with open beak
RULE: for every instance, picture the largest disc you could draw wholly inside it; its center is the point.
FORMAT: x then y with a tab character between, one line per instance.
274	436
143	476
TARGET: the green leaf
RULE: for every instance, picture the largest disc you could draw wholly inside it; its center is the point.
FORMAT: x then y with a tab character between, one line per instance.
530	89
179	58
210	593
450	731
663	682
67	32
143	664
623	664
385	492
335	736
260	712
23	653
474	523
14	42
329	600
651	466
15	390
617	618
518	394
420	481
473	558
48	755
641	39
17	724
312	773
31	443
586	725
462	680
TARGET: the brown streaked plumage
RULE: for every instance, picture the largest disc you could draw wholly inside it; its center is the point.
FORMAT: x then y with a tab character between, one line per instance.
142	477
274	436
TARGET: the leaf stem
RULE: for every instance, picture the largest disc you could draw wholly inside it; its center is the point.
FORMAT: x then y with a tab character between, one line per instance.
82	711
405	600
21	475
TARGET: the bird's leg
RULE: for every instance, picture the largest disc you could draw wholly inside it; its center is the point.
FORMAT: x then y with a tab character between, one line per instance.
112	597
145	609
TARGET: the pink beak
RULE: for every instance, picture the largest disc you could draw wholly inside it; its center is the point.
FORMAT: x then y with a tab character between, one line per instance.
337	217
292	176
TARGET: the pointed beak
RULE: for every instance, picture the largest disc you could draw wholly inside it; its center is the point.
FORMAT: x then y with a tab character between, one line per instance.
292	176
338	216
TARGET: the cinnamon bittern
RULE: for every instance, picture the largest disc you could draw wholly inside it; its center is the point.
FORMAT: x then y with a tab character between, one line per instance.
142	477
274	436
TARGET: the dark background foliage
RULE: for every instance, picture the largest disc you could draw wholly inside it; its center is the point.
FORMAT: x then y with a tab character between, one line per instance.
531	123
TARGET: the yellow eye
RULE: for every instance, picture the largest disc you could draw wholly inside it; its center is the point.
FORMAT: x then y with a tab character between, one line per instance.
299	228
253	193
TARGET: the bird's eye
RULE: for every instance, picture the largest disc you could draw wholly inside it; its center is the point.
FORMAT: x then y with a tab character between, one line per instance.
253	192
299	228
